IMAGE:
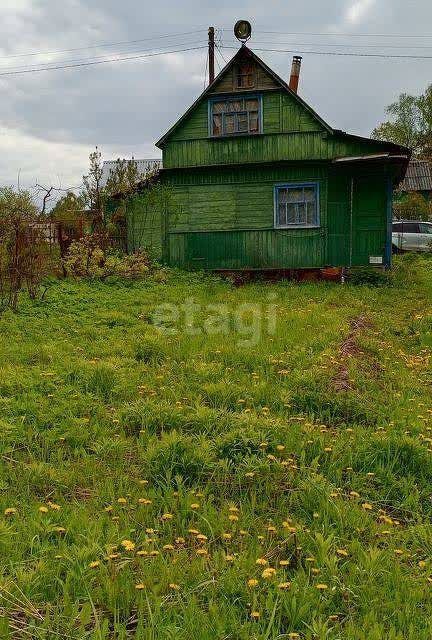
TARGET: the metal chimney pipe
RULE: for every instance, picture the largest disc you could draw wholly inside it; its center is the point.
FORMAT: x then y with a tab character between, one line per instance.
295	73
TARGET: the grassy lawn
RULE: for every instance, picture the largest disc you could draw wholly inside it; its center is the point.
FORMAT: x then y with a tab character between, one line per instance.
261	470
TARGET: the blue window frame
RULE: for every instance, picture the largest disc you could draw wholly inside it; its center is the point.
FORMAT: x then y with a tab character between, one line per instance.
296	205
235	116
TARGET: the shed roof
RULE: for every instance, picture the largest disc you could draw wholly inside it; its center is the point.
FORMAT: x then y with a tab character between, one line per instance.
418	176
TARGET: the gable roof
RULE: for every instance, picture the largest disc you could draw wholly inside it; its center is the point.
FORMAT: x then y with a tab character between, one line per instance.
418	176
243	52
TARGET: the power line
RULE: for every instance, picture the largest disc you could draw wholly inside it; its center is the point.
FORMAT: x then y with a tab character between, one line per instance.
99	46
339	44
87	64
341	53
344	35
93	58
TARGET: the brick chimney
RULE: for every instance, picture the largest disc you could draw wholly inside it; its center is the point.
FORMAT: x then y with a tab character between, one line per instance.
295	73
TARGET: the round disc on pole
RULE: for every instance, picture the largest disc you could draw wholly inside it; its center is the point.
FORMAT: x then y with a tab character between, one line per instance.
243	30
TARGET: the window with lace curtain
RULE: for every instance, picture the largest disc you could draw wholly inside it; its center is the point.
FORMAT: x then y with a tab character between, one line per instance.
297	205
235	116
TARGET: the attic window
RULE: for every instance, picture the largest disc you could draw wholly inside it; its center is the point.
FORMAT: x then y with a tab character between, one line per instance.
244	76
235	116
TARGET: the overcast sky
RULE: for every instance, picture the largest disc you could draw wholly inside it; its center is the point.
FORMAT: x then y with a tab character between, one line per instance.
50	121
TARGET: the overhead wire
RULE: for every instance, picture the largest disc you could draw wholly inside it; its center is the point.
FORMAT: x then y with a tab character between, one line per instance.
100	45
97	62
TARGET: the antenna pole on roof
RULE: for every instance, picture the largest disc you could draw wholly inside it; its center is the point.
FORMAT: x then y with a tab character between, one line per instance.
211	54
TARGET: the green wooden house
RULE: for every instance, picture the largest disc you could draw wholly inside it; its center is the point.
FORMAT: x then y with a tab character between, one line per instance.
258	180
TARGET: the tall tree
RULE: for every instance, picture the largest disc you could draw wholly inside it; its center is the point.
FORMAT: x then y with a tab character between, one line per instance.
410	123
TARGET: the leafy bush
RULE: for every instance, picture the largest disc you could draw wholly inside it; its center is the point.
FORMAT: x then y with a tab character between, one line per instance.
87	258
369	276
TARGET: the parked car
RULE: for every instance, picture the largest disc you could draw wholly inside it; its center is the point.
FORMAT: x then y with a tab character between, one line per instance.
412	235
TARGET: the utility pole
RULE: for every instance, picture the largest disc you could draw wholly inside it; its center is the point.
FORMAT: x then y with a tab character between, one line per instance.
211	47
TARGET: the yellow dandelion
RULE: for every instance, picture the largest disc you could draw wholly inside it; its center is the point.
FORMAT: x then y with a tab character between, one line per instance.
250	474
422	564
54	506
174	587
316	571
261	561
280	447
227	536
94	564
128	545
284	586
252	582
142	553
150	531
180	541
399	552
113	556
145	501
153	553
195	506
284	563
271	529
201	537
10	511
167	516
122	500
268	573
229	558
233	517
43	509
367	507
193	532
354	494
255	615
108	509
202	552
143	482
140	586
233	510
321	587
343	553
60	530
293	636
168	547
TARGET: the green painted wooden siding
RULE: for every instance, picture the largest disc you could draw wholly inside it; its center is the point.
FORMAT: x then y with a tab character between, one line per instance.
253	249
224	218
281	114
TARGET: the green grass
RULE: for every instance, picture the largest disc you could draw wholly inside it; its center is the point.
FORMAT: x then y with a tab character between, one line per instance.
311	445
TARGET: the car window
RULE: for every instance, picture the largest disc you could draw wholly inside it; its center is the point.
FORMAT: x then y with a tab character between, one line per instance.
409	227
426	228
397	227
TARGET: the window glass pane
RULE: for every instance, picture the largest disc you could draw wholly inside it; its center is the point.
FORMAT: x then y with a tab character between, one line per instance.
397	227
253	122
295	195
282	215
283	195
242	122
410	227
426	228
229	121
309	194
219	107
235	105
217	125
251	105
291	214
